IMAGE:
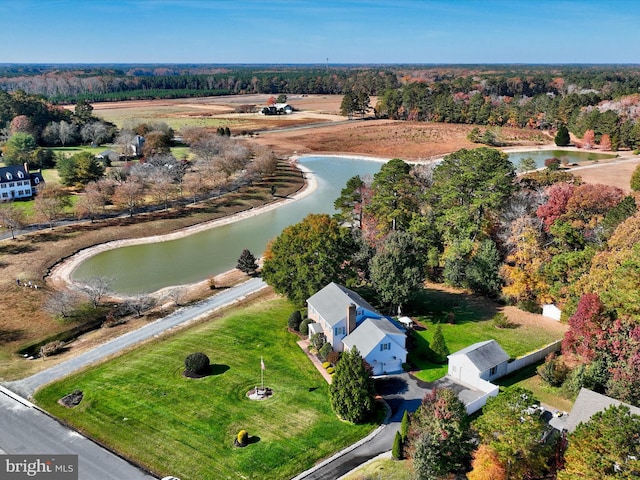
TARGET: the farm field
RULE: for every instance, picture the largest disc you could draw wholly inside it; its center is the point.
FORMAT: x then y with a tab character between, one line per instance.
188	425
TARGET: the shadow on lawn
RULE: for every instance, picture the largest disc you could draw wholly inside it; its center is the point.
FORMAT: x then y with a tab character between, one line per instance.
451	307
218	369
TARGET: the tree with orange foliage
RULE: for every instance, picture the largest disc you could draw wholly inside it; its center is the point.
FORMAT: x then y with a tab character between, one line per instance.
486	465
605	142
589	139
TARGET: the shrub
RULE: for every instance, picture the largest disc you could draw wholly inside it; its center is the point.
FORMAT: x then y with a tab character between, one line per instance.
404	425
317	340
396	451
51	348
212	283
197	363
552	163
326	365
331	370
500	320
529	306
553	370
439	346
242	438
304	326
294	320
325	350
333	357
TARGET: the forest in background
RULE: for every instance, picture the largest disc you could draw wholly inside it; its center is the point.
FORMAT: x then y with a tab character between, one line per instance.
591	100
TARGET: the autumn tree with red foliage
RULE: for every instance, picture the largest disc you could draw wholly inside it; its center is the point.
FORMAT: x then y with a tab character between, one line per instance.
585	327
556	205
486	465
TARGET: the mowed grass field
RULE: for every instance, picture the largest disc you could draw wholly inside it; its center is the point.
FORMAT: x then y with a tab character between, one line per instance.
142	406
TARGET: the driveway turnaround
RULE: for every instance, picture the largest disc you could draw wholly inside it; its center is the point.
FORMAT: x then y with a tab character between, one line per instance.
26	430
27	386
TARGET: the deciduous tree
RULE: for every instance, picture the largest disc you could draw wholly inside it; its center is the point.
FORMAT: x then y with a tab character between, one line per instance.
398	269
514	430
50	202
606	447
439	435
308	255
11	217
19	149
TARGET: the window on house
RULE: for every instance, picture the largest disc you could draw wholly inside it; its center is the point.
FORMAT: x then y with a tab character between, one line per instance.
9	176
493	371
385	346
5	195
340	330
12	184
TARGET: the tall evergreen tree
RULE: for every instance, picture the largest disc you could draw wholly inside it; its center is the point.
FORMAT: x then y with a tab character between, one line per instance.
439	345
352	391
562	138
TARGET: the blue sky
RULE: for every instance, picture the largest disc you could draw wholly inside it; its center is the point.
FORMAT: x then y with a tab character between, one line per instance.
290	31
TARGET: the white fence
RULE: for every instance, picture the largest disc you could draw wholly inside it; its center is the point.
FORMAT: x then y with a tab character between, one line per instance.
533	357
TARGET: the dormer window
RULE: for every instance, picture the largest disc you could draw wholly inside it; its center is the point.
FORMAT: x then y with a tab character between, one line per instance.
36	180
20	175
9	176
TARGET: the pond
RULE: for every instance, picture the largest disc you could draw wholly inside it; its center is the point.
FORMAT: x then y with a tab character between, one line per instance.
569	156
150	267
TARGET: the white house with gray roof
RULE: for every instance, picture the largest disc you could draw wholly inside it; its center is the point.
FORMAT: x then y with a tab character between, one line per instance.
347	320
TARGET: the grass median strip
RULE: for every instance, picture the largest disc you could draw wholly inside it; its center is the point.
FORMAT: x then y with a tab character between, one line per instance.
142	406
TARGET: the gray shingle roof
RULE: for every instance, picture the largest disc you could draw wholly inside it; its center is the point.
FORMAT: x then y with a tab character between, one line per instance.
333	300
588	404
369	334
484	355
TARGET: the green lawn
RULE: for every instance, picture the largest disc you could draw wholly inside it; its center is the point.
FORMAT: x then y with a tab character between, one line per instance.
141	405
472	323
384	468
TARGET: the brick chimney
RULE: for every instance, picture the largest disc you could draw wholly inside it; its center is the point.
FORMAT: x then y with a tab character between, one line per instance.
351	318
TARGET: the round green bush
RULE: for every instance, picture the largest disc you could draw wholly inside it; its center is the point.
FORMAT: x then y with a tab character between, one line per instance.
304	326
197	363
294	320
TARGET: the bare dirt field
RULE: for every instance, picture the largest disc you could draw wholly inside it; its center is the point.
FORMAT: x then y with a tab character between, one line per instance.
22	316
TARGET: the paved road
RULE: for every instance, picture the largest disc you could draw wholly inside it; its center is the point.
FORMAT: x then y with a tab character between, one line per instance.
27	386
401	392
24	429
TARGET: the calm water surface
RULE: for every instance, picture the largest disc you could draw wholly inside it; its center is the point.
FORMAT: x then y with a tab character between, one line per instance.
149	267
570	156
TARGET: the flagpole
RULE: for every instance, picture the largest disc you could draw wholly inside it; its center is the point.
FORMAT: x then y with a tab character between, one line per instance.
262	372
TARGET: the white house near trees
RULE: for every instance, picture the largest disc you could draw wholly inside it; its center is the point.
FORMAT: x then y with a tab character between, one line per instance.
347	320
17	182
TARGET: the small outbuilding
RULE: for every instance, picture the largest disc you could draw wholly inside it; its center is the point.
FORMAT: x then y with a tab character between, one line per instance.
551	311
480	361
